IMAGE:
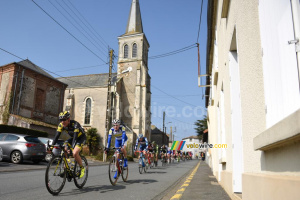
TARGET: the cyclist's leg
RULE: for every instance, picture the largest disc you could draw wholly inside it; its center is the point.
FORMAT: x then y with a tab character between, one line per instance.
125	153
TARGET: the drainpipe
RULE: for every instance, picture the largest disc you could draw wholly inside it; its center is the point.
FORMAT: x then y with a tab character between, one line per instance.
296	15
16	82
20	93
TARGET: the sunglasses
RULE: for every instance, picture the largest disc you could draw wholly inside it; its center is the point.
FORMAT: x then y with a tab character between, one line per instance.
62	120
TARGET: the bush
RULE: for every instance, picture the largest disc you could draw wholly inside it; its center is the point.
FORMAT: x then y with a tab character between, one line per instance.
21	130
129	158
93	140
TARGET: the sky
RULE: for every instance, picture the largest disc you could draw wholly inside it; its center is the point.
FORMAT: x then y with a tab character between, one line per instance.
74	37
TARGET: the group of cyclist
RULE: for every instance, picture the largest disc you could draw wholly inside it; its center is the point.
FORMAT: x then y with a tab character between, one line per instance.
78	139
167	154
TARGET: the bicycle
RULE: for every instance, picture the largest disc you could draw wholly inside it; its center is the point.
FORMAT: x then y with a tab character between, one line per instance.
142	164
117	165
150	160
163	159
58	170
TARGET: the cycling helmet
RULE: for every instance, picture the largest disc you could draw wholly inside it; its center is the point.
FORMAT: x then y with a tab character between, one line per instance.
116	121
141	135
64	115
153	142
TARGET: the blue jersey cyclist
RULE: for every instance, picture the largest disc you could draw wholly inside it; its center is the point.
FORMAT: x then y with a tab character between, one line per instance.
143	144
118	131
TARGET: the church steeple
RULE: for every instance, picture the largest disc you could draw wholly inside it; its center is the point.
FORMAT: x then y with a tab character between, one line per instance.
134	24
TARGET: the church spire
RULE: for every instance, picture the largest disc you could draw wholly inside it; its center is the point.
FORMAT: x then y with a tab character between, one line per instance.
134	24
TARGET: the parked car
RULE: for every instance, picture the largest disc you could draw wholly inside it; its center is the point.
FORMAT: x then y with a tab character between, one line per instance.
1	154
56	150
17	147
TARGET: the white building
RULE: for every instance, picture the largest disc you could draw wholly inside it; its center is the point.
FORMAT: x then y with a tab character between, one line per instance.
253	99
192	144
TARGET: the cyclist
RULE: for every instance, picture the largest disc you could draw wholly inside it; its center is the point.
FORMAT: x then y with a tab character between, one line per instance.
169	153
143	144
155	152
77	140
163	151
118	131
150	152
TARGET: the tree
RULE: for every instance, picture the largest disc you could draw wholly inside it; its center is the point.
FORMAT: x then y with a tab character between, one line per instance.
93	140
201	125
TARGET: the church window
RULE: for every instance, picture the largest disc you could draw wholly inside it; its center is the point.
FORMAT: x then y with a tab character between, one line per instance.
134	50
88	105
126	51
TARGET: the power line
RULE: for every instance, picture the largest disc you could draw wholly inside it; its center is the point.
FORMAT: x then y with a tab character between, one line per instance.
174	52
101	50
83	22
52	72
67	30
87	22
67	70
172	96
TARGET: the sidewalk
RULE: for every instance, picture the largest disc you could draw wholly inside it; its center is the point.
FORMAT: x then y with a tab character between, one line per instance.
200	184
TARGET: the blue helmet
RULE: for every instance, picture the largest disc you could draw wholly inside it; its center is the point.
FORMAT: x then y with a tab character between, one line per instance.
141	135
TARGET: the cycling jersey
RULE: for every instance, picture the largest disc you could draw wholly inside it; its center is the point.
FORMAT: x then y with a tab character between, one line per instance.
76	132
120	137
143	143
163	149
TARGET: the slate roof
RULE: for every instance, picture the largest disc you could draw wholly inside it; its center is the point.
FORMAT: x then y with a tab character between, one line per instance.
91	80
30	65
155	130
191	137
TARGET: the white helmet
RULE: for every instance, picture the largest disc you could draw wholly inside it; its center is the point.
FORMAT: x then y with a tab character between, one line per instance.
116	121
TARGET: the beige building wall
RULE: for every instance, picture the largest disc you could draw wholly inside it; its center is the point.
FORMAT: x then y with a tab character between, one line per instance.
98	96
263	167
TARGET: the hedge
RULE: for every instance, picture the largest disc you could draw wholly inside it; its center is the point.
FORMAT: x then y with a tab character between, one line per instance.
21	130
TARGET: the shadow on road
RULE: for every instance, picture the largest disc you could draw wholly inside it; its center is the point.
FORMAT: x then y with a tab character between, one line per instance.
101	189
141	181
155	172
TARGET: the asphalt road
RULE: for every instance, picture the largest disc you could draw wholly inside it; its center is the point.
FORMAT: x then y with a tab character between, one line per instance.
155	184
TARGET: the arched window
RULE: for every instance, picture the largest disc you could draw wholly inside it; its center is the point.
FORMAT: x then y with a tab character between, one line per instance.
126	51
134	50
88	106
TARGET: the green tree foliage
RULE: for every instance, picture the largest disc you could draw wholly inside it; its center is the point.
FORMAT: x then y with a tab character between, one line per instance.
201	125
93	140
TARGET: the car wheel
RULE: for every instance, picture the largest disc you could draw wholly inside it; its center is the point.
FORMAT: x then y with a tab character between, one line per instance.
48	157
16	157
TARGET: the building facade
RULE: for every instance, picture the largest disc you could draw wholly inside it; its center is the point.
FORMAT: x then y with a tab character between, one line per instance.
253	100
30	97
86	98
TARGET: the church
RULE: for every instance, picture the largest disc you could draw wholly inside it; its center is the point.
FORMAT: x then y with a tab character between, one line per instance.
86	96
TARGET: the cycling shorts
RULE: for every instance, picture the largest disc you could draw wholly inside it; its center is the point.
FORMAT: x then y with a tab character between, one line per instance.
78	143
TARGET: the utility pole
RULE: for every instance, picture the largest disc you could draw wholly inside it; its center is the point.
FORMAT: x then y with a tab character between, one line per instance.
164	115
109	101
172	140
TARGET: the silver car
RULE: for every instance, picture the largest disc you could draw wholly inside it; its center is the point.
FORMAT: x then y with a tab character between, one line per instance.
1	154
56	151
17	147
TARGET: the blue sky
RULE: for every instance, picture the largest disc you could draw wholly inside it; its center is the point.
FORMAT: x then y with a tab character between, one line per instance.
169	25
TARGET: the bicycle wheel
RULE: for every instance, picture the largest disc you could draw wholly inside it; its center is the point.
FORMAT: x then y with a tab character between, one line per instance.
55	177
124	173
141	165
80	182
112	168
146	166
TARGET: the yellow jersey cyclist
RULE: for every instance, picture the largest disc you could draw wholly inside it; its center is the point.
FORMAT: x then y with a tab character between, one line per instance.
78	137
